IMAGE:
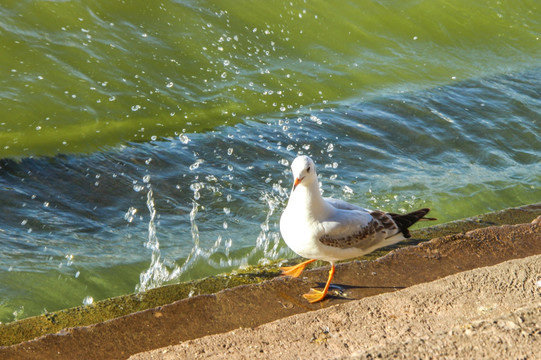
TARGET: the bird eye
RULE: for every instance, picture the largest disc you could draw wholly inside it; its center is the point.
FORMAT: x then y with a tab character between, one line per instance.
308	169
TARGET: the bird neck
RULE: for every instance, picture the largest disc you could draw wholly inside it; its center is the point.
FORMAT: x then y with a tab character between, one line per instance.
310	199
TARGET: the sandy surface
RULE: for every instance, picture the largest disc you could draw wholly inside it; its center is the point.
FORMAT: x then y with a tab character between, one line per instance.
490	312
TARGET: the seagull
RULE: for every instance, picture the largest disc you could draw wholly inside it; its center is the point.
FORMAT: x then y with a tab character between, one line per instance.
329	229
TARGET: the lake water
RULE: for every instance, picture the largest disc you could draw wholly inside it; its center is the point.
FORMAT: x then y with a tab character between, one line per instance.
144	143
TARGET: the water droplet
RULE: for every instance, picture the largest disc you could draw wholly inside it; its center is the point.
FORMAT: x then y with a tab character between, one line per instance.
316	119
89	300
196	164
130	214
135	107
170	84
17	313
146	179
224	75
230	151
138	187
226	62
183	138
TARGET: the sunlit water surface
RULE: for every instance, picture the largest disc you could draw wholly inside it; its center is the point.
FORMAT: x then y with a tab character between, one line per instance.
145	144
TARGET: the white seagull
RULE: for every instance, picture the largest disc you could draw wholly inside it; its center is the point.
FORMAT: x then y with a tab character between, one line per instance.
328	229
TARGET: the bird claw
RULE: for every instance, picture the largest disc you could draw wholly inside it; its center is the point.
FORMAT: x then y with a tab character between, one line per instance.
295	270
315	296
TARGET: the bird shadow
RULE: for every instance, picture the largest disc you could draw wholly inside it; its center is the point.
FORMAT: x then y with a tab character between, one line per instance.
340	291
348	287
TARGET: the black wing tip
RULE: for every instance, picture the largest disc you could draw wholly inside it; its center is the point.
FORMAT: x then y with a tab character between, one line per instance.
425	211
404	221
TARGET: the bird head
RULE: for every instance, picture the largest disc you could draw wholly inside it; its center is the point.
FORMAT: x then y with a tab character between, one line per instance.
304	171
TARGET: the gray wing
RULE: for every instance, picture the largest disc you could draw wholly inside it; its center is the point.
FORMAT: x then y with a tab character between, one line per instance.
341	204
359	229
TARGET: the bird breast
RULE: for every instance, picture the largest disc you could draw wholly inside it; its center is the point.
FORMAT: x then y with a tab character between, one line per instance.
299	233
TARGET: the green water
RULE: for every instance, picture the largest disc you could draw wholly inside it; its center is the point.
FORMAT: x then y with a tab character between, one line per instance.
78	76
144	143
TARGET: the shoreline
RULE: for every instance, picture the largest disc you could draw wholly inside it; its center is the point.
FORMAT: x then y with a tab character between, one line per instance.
486	313
170	299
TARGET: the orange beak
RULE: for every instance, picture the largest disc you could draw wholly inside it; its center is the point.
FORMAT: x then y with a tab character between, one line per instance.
297	182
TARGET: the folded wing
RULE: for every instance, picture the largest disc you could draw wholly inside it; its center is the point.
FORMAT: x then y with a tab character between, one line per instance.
357	229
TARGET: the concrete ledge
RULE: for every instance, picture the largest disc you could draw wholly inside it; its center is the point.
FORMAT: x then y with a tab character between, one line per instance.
486	313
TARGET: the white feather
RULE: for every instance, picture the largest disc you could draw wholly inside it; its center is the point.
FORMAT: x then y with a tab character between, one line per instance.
308	217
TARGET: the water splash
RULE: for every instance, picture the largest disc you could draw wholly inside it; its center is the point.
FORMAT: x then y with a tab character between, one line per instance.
157	273
268	240
18	313
197	251
88	300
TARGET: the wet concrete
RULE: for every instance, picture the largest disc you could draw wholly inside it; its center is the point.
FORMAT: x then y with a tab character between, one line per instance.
33	327
252	305
491	312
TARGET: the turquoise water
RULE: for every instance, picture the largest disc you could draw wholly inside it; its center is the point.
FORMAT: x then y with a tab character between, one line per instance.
146	143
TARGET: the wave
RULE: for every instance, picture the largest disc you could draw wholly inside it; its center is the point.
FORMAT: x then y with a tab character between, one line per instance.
83	76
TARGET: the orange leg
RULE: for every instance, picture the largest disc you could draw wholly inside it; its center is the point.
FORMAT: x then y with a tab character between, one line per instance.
295	270
316	295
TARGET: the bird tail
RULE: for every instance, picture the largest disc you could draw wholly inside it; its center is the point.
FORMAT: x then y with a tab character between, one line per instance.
404	221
